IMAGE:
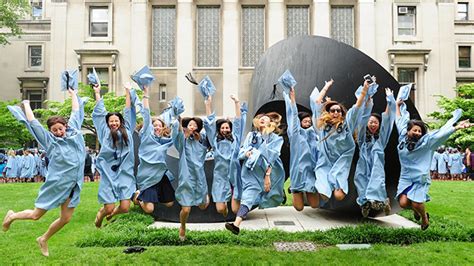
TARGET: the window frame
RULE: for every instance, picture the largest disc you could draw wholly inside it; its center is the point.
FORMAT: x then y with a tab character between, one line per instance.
417	37
458	67
196	47
289	6
29	91
457	11
175	36
353	21
28	67
415	83
88	25
241	37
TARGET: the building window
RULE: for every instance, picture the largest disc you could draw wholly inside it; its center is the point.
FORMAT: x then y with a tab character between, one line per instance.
208	36
462	13
342	24
36	98
464	56
162	92
98	21
406	20
35	56
406	76
164	37
36	9
253	34
297	23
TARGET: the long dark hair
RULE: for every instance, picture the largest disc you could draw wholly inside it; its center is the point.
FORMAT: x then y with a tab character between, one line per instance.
421	124
123	131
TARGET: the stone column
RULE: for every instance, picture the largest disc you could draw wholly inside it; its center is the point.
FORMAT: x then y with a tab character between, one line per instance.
275	21
139	27
185	53
365	33
57	58
230	54
321	20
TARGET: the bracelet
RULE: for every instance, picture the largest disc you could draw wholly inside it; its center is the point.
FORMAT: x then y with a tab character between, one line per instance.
267	174
146	96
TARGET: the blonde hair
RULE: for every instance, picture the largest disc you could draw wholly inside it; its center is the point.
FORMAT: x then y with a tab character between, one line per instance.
273	126
165	130
11	153
326	118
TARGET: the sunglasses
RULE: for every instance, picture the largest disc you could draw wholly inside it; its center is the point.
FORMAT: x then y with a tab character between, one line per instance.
335	110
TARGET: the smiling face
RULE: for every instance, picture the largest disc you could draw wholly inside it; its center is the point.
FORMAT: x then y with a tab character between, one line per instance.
114	122
306	122
192	126
157	127
335	111
373	124
415	132
263	121
58	130
225	129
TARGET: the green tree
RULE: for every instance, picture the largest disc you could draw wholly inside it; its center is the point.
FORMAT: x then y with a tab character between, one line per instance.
13	134
10	12
465	101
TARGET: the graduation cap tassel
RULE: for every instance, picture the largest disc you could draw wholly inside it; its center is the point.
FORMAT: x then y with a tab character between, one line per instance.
190	78
67	80
273	96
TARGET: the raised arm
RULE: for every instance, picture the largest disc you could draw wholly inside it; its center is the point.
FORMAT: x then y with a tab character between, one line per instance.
146	97
323	92
97	92
236	106
361	98
127	88
74	100
28	112
208	104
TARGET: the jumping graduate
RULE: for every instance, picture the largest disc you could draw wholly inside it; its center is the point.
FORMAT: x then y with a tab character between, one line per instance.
65	147
192	188
225	137
335	127
116	158
373	136
153	177
262	175
303	148
415	151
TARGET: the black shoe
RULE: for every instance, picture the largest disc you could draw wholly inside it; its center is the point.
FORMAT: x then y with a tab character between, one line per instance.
425	226
231	227
365	209
416	216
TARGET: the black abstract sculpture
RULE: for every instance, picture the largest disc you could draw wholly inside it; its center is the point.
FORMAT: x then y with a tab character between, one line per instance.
312	60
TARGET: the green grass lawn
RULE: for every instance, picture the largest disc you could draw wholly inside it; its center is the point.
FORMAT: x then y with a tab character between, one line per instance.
450	202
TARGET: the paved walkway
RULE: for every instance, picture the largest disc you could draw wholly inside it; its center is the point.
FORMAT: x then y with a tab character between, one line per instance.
288	219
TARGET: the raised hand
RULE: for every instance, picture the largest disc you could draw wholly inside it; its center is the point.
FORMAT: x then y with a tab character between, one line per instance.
328	83
388	91
127	86
234	98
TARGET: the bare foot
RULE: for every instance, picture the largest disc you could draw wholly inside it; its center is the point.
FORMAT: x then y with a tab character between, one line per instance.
43	246
182	234
99	218
7	221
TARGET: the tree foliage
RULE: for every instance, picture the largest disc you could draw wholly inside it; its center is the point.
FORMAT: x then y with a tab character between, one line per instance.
465	101
13	134
10	12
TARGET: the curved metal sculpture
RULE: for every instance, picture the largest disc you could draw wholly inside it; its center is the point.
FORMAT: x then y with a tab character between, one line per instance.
312	60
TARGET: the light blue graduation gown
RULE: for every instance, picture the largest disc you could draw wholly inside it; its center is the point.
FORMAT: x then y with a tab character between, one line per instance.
152	154
415	164
192	183
434	162
120	184
336	151
43	168
265	152
442	160
455	163
28	169
11	169
226	163
303	151
369	177
66	160
19	162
